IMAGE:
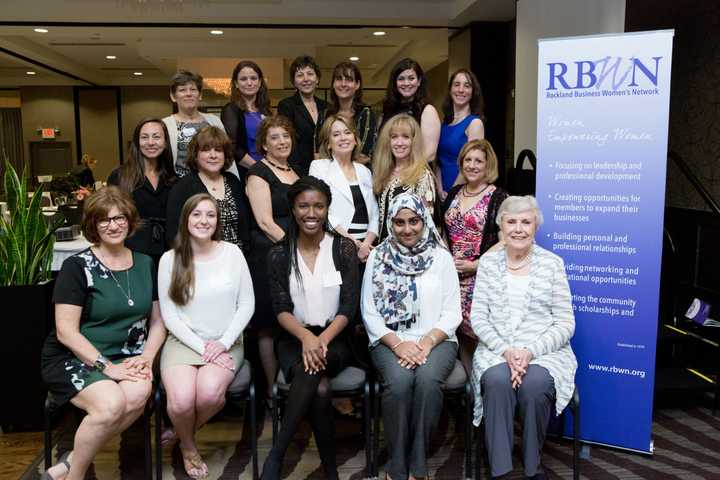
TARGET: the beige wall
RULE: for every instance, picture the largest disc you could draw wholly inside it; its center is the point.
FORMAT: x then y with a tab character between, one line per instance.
47	107
98	129
548	19
140	103
437	79
459	51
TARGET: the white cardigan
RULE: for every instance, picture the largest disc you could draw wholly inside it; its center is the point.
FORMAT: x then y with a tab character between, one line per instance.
342	207
211	119
438	294
545	328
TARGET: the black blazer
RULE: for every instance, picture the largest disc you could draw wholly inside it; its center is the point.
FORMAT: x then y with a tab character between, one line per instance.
491	229
191	184
303	151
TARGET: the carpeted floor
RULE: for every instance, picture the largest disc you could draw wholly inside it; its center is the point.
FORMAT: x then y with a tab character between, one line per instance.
687	447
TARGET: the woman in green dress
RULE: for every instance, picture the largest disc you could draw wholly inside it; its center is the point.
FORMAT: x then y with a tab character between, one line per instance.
108	330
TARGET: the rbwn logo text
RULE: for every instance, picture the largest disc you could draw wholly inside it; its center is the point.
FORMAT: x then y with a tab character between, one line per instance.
609	76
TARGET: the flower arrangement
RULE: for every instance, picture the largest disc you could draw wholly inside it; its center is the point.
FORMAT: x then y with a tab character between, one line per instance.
82	193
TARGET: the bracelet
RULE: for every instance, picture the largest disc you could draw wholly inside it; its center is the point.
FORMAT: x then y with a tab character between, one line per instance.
432	339
396	345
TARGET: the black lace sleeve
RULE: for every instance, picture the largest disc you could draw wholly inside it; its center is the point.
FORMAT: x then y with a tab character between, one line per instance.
347	262
279	279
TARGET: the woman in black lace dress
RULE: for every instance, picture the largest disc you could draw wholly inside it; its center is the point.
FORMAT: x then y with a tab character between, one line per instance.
314	289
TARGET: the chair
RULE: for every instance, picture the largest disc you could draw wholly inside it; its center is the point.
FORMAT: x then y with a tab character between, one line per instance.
574	406
242	388
456	384
351	382
52	408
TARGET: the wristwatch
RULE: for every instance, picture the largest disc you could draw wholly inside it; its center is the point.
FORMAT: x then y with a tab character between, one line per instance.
101	362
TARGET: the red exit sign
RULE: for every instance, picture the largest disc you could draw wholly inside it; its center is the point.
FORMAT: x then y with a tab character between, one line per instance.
48	133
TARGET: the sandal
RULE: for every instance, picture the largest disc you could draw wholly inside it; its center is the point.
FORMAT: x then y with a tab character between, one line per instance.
194	465
62	460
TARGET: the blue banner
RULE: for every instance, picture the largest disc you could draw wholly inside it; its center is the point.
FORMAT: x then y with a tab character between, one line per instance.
602	151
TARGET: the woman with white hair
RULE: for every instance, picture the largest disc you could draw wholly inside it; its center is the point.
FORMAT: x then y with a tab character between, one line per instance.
522	315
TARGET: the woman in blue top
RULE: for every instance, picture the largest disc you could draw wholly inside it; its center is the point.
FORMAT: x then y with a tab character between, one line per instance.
462	107
250	103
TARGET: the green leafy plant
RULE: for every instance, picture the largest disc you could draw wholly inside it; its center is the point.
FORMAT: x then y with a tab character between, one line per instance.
26	241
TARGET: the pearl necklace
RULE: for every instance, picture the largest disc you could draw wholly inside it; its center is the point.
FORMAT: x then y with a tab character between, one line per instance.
523	263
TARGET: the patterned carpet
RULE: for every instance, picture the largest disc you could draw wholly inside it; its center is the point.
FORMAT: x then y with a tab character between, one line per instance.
687	447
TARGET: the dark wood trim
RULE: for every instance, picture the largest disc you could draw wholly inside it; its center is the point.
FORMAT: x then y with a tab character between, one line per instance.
78	136
45	66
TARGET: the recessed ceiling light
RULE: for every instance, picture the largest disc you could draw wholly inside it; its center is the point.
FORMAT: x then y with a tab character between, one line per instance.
354	59
216	32
379	33
138	74
41	30
30	72
110	57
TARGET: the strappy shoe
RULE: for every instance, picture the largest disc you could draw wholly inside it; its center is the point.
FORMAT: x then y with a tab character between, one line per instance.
62	460
194	465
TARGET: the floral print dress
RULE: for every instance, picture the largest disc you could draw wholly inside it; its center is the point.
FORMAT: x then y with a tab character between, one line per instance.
465	232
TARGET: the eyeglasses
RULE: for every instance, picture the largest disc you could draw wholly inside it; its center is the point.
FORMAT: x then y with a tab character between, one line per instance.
120	221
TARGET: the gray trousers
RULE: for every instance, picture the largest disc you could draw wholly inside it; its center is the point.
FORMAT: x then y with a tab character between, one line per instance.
535	400
411	405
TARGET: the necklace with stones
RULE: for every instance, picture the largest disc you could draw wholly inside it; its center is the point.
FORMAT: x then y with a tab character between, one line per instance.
279	167
467	194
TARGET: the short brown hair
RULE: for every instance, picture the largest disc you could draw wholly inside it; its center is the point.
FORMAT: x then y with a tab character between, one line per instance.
273	121
98	205
208	137
185	76
491	167
325	135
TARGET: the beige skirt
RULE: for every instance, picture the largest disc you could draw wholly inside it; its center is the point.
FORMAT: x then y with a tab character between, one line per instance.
175	353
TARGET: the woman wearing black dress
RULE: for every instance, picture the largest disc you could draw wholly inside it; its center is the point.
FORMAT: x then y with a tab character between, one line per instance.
267	186
303	110
148	174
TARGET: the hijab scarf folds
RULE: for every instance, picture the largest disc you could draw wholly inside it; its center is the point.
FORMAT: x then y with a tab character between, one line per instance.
396	266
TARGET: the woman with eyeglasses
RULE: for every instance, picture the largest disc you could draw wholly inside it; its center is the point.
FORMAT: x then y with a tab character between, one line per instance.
108	330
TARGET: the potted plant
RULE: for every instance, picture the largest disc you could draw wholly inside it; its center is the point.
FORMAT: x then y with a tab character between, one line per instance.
26	251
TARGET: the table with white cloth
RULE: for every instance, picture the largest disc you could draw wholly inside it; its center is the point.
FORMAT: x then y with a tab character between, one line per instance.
63	250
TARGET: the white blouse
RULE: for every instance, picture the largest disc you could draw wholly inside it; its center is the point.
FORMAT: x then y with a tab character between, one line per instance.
517	288
222	303
438	297
315	302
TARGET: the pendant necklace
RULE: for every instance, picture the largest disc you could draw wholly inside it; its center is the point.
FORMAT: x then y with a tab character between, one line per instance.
128	295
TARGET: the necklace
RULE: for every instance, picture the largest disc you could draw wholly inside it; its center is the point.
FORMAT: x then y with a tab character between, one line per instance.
212	184
523	263
287	168
128	295
467	194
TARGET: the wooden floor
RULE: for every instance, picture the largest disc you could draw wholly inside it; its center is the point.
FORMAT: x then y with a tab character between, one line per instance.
17	452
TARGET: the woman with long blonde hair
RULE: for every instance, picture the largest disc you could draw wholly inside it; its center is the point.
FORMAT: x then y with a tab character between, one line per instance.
399	166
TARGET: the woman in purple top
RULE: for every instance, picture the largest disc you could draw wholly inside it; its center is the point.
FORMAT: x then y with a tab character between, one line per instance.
462	107
241	117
